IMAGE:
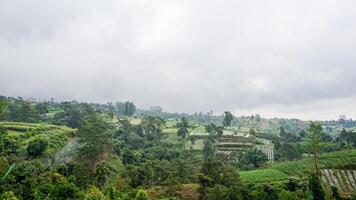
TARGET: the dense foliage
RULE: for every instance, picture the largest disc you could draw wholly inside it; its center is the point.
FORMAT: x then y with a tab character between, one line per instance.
73	150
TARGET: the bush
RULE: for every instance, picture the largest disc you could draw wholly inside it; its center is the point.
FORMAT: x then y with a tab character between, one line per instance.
8	196
36	147
93	194
141	195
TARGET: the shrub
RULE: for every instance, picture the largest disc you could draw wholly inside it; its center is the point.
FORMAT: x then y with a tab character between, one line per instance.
8	196
93	194
141	195
36	147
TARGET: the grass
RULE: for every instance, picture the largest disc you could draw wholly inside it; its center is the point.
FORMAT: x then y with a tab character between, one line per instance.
171	134
264	175
200	130
280	171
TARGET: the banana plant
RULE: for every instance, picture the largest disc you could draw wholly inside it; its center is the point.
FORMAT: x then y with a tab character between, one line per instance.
7	173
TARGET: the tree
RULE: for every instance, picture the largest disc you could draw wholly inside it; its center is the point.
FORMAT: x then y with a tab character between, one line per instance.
289	151
141	195
352	138
216	192
230	176
3	105
94	193
335	193
70	116
208	149
282	132
347	138
21	111
36	147
152	128
252	159
129	108
41	108
315	131
228	117
302	133
8	196
95	137
102	172
265	192
155	111
111	111
212	168
252	131
214	131
343	137
183	128
120	108
173	186
316	186
112	194
2	137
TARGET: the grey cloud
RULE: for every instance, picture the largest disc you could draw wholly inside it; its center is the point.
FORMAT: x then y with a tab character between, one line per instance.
184	55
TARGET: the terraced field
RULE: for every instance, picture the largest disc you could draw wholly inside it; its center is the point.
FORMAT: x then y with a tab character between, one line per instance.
22	133
280	171
343	180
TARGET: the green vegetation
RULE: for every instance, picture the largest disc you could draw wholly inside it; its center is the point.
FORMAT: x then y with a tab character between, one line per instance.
73	150
199	130
280	171
171	135
20	135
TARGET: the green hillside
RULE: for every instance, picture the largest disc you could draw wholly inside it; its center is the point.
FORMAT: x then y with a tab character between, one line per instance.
20	134
281	171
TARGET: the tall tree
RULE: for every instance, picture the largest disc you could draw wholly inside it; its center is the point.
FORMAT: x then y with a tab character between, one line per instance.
253	158
347	138
315	131
70	116
41	108
228	117
93	193
208	149
152	128
3	105
214	130
182	128
111	110
213	168
21	111
316	186
282	132
95	137
120	108
129	108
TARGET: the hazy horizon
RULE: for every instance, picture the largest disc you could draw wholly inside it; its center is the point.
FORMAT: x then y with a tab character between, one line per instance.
285	59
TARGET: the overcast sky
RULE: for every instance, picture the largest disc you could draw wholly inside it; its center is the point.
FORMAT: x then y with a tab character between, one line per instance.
293	59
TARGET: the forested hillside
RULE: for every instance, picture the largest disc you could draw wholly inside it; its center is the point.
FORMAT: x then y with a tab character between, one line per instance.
77	150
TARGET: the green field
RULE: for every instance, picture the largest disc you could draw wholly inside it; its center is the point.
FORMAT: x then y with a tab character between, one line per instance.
280	171
200	130
171	135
